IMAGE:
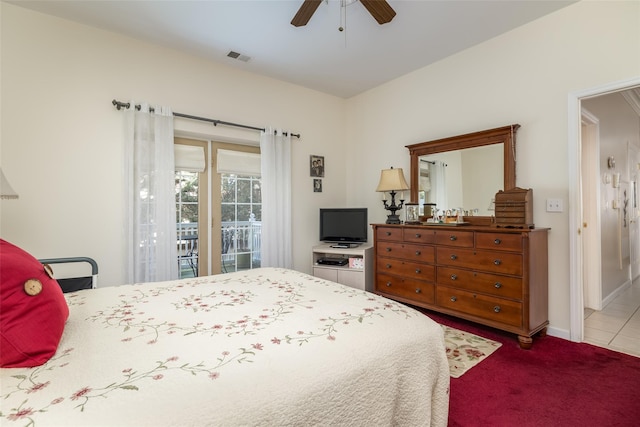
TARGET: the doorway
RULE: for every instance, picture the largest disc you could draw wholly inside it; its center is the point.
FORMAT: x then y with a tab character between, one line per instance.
578	236
218	208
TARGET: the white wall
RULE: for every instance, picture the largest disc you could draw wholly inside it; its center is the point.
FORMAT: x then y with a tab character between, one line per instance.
58	127
525	77
62	139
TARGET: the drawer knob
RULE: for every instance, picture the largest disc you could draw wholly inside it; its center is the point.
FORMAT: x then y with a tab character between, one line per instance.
388	266
498	285
418	235
497	262
454	256
388	249
454	277
497	241
418	252
388	233
388	284
454	299
496	309
418	290
418	271
453	238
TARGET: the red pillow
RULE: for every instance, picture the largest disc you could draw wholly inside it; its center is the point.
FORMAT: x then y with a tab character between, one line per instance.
33	310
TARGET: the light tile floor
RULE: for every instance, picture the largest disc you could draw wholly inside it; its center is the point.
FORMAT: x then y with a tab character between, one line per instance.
617	326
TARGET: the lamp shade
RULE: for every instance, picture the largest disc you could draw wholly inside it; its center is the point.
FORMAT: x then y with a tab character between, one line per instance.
6	192
392	180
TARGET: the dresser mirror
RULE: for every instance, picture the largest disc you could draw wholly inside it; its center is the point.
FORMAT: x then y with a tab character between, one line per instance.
464	172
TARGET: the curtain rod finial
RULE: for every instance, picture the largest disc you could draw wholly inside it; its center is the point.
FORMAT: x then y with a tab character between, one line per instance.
119	104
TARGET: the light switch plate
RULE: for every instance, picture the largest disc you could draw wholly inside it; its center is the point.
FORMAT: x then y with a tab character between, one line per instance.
554	205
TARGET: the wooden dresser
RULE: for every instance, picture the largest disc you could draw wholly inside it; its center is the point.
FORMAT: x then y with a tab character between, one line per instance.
496	277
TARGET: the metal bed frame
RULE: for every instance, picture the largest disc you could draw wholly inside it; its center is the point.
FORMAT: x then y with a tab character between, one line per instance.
72	284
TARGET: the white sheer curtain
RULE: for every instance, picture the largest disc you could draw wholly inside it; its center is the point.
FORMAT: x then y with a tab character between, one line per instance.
437	173
275	154
150	226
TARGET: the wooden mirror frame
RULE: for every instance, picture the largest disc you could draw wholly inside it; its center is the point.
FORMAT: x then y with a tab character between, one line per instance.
505	135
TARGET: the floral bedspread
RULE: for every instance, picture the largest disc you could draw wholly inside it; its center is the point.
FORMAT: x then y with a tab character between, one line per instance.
262	347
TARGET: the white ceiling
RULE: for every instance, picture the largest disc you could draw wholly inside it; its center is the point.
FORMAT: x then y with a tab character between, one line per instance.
318	55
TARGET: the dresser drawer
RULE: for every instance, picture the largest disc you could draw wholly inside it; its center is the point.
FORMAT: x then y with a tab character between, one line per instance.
406	251
493	284
499	242
400	267
418	235
414	290
389	233
461	239
495	262
492	308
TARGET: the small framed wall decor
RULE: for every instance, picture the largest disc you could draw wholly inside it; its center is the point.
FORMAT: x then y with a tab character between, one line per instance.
316	166
317	185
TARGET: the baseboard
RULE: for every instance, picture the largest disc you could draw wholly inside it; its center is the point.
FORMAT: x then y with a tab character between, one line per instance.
626	285
558	333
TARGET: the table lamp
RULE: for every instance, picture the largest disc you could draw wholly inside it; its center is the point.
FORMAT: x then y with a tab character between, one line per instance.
392	180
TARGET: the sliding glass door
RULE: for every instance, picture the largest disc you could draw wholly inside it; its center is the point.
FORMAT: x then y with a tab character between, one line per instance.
192	201
241	222
237	201
218	207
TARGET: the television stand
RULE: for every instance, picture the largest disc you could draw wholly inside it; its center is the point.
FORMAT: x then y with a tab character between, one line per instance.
357	272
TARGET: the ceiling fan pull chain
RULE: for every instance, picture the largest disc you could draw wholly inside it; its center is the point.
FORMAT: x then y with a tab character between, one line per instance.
343	16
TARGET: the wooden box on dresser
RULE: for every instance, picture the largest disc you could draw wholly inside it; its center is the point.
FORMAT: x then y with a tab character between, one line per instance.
496	277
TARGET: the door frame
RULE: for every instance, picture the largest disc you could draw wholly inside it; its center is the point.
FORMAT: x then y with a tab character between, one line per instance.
576	256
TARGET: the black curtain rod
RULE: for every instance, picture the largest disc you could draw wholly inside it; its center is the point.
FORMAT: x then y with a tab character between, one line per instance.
432	162
119	105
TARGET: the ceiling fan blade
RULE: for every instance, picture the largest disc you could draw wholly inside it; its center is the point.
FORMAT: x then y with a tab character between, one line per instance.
305	12
380	10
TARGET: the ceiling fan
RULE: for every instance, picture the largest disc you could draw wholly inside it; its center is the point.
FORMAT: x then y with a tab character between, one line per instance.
379	9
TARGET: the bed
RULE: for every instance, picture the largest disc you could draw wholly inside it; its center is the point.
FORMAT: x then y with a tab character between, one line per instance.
262	347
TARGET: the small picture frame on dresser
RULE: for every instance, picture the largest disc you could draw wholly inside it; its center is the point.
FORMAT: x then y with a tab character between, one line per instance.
411	213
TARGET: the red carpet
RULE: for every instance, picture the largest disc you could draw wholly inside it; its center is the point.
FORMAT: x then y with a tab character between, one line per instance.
556	383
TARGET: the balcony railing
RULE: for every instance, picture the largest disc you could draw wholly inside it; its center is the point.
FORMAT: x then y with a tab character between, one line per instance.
241	244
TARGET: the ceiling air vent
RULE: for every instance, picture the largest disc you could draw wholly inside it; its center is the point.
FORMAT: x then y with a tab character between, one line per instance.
238	56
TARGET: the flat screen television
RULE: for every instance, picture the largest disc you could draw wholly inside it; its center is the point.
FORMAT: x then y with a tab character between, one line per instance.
343	225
